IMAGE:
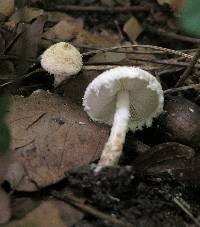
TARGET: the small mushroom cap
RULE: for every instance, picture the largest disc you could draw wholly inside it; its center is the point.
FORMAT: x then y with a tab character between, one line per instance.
145	94
63	60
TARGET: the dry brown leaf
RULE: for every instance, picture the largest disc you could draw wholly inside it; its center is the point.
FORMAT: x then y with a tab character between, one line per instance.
162	2
26	46
21	206
4	163
4	207
176	5
64	30
107	57
96	40
69	214
26	14
132	28
56	17
46	215
123	2
51	135
109	3
7	7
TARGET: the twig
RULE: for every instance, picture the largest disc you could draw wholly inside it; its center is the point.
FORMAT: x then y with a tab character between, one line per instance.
22	77
119	29
184	88
8	47
172	35
185	209
169	51
67	8
164	62
189	69
106	67
14	57
75	201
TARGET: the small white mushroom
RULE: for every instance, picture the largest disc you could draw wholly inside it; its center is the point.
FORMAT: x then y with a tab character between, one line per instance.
124	97
63	60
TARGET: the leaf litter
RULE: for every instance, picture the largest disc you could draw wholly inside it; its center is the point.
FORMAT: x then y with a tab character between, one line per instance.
48	138
51	134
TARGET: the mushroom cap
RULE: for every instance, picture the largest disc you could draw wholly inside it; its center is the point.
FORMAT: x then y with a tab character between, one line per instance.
145	95
63	60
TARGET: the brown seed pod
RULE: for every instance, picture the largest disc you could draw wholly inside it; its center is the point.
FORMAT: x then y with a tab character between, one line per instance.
181	122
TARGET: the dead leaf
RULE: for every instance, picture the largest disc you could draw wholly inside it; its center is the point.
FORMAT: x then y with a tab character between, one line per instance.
21	206
109	3
69	214
56	17
4	160
7	7
107	57
96	40
64	30
50	135
2	44
26	46
123	2
46	215
132	28
162	2
26	14
5	212
15	173
176	5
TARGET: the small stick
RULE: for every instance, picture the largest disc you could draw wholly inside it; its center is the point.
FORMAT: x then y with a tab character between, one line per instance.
22	77
119	30
189	69
67	8
185	209
111	66
173	35
184	88
165	62
169	51
75	201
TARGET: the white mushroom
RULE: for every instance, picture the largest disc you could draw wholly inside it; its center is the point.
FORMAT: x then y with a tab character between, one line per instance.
124	97
63	60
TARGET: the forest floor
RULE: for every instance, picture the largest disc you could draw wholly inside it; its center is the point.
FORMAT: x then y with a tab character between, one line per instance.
50	180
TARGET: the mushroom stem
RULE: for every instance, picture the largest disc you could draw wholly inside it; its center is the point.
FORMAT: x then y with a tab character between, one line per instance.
114	146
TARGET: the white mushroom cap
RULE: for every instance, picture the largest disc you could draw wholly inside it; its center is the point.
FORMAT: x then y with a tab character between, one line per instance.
63	60
145	94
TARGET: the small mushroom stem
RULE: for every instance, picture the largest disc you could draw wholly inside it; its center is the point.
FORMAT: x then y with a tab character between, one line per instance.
114	146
